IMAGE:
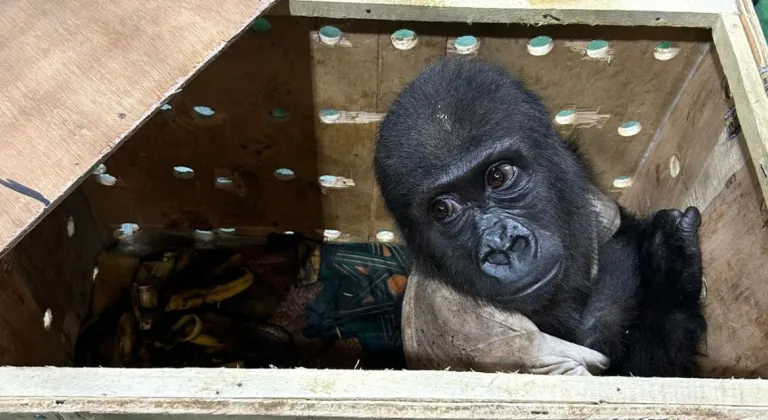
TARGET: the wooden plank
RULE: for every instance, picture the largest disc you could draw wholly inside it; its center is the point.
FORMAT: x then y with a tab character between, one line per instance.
734	243
688	13
747	89
344	78
303	393
79	77
688	135
48	271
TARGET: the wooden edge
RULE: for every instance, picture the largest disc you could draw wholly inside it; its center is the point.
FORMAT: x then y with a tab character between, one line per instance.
368	394
93	161
682	13
746	86
754	32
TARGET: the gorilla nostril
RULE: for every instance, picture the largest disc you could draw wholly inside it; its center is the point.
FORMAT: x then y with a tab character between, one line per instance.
497	258
519	244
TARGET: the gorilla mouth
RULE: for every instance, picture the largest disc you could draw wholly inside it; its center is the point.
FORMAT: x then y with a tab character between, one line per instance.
551	274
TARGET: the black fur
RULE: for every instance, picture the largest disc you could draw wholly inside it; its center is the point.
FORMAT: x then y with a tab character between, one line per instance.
460	117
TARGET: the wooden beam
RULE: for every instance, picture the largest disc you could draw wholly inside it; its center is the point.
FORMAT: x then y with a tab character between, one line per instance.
302	393
78	77
746	85
685	13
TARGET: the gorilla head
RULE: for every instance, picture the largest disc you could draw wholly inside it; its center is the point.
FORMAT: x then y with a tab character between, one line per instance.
484	191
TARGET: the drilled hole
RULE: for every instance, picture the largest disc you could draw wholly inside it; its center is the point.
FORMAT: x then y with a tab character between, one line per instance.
540	46
331	234
330	35
279	114
48	319
204	111
284	174
404	39
629	128
101	169
261	26
106	180
183	172
385	236
71	226
674	166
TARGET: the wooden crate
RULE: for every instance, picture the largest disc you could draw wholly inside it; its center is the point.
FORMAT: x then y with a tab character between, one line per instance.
81	78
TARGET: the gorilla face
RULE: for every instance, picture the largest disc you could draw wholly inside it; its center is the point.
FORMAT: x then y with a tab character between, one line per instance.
481	186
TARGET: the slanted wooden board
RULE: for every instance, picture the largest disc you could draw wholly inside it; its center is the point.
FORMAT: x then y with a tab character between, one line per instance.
79	77
305	393
688	13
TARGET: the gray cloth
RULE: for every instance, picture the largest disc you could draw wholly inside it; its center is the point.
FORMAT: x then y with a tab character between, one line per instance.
443	329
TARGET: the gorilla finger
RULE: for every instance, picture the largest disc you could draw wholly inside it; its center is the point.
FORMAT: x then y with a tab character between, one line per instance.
690	220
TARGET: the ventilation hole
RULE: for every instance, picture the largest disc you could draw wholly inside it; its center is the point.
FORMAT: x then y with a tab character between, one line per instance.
665	51
332	181
183	172
226	231
658	19
260	26
284	174
674	166
329	115
280	114
566	116
101	169
125	230
404	39
629	128
224	182
331	234
71	226
289	232
203	235
166	107
106	179
597	48
48	319
330	35
385	236
466	44
622	181
95	273
204	111
540	46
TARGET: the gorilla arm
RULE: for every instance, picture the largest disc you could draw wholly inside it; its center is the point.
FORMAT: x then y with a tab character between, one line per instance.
443	328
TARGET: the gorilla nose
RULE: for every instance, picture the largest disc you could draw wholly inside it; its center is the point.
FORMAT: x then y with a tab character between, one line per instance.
507	250
497	258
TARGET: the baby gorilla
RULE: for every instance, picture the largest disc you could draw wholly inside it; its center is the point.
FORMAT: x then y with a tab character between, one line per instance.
491	200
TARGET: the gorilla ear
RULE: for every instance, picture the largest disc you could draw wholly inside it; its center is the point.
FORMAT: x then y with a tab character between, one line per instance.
607	213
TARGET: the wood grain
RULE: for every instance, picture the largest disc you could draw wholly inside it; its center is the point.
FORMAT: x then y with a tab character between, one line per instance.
690	132
48	269
691	13
78	77
734	241
302	393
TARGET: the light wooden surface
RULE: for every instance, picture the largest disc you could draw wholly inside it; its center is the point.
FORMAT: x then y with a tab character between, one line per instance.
692	128
746	85
301	393
689	13
77	77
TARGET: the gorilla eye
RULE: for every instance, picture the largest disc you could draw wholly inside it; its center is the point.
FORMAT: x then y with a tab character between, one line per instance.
500	175
443	208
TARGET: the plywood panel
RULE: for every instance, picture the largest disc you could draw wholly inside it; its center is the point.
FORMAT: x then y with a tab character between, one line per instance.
79	76
242	141
688	135
633	85
734	241
48	270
